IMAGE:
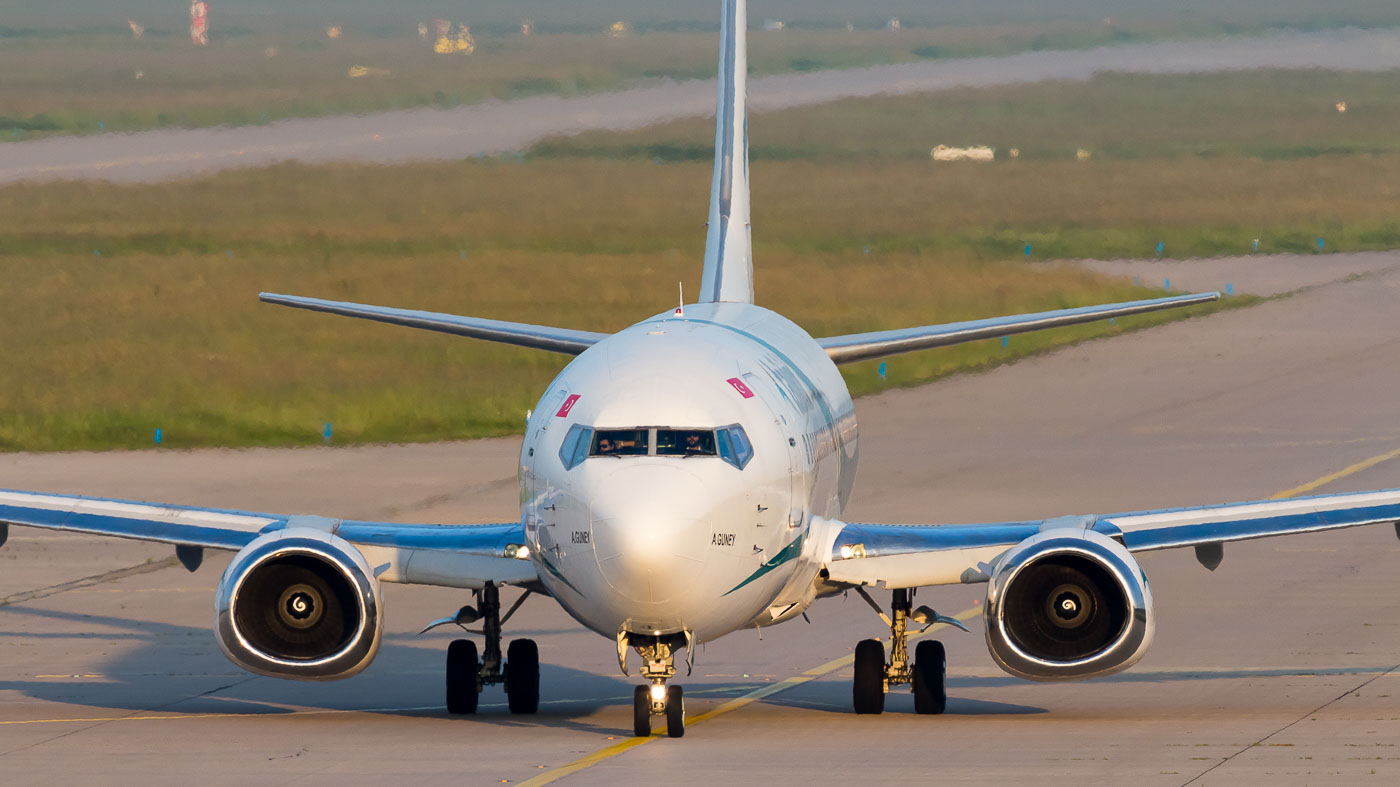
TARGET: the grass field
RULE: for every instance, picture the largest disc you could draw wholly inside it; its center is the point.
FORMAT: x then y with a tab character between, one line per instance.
83	82
133	307
76	68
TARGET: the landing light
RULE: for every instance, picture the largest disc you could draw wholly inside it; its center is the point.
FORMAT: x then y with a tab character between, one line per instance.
517	551
849	551
658	692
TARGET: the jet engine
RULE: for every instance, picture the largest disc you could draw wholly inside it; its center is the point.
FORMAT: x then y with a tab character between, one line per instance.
299	603
1068	604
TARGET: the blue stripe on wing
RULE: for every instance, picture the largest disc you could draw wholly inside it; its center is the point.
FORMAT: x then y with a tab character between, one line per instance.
205	527
228	529
1140	530
490	539
1169	536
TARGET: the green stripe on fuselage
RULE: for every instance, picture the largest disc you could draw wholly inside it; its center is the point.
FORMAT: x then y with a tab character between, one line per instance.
558	575
789	552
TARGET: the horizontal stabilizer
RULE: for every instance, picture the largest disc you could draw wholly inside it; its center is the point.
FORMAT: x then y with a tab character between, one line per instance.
539	337
864	346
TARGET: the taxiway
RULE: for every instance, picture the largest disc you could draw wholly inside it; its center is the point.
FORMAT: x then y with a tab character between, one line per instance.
1283	666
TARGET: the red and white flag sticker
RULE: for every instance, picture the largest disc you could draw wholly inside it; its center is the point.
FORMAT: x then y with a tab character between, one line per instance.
567	406
740	387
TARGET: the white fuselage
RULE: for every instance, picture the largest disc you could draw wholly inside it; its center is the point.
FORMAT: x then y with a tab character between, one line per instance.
655	544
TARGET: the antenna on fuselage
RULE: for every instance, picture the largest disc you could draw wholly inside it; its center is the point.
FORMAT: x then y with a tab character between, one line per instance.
728	275
680	304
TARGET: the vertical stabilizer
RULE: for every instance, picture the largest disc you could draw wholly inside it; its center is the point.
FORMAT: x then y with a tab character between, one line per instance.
728	272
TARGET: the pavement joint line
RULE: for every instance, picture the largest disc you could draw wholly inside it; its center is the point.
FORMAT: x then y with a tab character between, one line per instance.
1310	486
623	746
1290	724
86	582
732	705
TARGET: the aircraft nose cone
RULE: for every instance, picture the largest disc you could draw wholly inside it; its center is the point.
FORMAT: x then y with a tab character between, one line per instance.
649	531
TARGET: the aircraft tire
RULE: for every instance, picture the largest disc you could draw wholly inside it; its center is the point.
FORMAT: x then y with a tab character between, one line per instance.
641	712
930	673
462	669
868	688
675	712
523	676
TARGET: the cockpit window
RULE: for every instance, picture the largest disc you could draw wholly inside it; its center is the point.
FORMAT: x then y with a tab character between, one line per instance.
620	442
729	443
734	446
685	442
575	447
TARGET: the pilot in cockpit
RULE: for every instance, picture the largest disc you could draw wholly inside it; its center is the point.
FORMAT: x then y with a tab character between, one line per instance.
692	443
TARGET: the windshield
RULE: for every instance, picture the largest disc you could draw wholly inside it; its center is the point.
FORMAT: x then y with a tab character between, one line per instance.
685	442
728	443
620	442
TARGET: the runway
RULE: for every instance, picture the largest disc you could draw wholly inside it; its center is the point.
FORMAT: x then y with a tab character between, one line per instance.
1283	666
505	126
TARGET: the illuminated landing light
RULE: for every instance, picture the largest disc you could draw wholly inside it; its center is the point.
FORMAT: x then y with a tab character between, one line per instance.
658	692
517	551
849	551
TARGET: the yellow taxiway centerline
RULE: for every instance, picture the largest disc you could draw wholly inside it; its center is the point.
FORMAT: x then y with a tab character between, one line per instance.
832	666
1337	476
733	705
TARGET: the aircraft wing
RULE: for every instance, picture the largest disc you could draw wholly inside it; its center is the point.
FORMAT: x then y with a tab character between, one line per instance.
877	344
539	337
916	555
450	555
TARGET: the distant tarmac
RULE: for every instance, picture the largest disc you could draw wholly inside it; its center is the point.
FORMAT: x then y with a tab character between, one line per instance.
503	126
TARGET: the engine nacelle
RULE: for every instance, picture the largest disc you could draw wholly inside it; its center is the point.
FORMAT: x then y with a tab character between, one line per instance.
299	603
1068	604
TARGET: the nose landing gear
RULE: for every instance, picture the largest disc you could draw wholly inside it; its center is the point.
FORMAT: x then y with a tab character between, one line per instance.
658	666
925	674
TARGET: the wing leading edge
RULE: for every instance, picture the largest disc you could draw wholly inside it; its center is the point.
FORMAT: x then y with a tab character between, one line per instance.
916	555
877	344
448	555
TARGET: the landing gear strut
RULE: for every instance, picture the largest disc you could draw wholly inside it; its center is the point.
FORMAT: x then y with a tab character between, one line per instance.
468	675
658	666
926	673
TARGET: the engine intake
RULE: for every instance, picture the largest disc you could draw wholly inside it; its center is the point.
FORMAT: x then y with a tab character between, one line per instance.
1068	604
299	603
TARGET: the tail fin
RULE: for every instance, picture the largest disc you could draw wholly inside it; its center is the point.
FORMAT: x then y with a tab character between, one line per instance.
728	275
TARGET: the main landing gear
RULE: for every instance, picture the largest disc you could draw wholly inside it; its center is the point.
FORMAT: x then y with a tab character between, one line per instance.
658	666
467	674
926	674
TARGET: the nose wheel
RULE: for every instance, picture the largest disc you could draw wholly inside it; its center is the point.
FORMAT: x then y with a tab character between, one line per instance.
656	699
645	706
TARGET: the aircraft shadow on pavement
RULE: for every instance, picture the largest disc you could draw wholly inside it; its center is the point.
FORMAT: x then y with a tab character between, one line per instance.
1174	676
179	669
834	696
175	669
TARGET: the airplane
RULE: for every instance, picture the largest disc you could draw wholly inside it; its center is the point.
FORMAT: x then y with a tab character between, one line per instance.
684	479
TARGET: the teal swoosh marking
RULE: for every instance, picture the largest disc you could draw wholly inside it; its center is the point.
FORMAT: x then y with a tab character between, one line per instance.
789	552
550	566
